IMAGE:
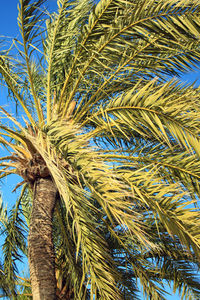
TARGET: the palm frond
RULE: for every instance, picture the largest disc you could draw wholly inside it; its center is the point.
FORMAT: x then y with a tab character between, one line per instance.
116	48
13	82
14	231
171	164
165	113
62	35
30	22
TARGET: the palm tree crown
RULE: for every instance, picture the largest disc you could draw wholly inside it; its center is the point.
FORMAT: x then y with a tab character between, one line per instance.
116	141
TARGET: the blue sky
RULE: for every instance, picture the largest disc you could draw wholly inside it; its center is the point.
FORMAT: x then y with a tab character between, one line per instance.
8	28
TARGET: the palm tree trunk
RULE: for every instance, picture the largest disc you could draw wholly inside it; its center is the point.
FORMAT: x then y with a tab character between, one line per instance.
40	244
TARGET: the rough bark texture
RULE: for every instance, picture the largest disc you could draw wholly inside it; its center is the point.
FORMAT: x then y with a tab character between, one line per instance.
40	244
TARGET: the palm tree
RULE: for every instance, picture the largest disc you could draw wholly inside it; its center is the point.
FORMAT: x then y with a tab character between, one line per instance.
107	146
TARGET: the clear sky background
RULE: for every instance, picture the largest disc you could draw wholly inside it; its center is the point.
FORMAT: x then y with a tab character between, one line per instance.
9	29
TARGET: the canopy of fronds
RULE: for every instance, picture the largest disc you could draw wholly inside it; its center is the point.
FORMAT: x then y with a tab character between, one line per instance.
121	143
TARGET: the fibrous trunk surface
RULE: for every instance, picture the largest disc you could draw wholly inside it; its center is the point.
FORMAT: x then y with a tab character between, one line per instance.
40	243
